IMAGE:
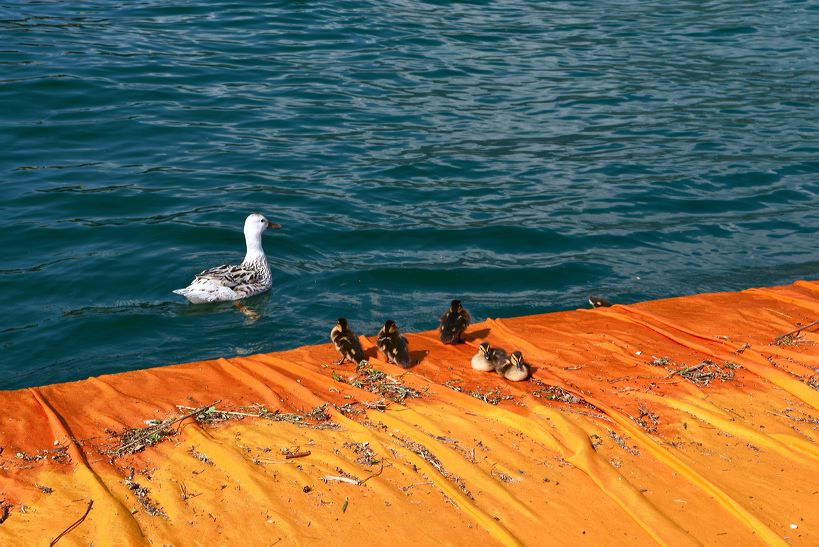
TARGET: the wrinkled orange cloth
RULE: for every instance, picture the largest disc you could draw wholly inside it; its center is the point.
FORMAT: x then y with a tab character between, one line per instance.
612	443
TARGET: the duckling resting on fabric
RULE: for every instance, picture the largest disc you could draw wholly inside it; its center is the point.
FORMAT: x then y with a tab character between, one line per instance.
498	357
482	360
453	323
598	302
515	369
226	282
393	345
347	343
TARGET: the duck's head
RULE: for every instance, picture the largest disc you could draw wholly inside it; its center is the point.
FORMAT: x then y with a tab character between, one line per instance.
485	349
341	323
517	359
256	223
389	327
455	306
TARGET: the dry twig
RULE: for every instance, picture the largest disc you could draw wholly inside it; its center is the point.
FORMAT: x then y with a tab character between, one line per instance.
328	478
291	455
74	525
686	370
374	474
228	412
795	331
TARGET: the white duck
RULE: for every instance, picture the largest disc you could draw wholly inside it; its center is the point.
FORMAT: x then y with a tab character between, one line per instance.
251	277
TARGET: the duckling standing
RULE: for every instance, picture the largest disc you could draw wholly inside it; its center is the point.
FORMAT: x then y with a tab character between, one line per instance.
482	360
515	369
347	343
453	323
393	345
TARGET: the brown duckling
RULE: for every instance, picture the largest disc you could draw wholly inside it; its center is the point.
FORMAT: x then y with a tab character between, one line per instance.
482	360
598	302
347	343
453	323
515	369
393	345
498	357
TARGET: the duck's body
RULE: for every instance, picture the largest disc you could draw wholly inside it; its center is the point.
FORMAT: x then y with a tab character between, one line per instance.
393	345
453	323
481	360
347	343
515	369
226	282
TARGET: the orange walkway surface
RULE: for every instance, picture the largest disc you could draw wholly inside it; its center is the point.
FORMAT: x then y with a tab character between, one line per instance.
676	421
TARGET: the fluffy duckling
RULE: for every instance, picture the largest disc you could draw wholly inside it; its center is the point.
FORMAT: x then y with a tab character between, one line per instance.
598	302
453	323
515	369
226	282
482	360
393	345
498	357
347	343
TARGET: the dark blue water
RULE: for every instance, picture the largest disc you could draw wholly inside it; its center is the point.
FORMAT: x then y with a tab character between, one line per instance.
515	154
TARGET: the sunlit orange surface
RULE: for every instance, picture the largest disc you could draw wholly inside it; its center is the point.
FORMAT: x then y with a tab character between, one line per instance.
611	443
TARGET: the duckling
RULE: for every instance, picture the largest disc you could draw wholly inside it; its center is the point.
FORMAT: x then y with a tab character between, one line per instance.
453	323
515	369
498	357
481	360
598	302
393	345
347	343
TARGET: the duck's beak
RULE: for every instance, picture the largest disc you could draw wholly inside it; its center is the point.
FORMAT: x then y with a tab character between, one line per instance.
273	226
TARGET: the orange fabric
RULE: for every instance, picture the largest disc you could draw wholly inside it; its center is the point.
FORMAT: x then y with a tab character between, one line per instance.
733	462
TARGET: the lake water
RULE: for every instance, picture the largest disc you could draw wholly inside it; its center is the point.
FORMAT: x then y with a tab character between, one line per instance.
515	154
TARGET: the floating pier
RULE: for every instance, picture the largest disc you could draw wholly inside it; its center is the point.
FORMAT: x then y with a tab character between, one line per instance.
680	421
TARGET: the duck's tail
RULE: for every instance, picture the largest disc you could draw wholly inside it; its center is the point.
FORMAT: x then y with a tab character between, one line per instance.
205	291
183	292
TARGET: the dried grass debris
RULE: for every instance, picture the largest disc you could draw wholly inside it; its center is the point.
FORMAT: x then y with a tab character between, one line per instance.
704	372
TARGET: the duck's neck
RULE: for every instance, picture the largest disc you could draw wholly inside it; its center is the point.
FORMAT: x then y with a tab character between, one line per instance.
255	253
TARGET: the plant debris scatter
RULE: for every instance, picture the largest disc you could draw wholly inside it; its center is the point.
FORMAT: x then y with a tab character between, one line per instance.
377	381
147	503
706	371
